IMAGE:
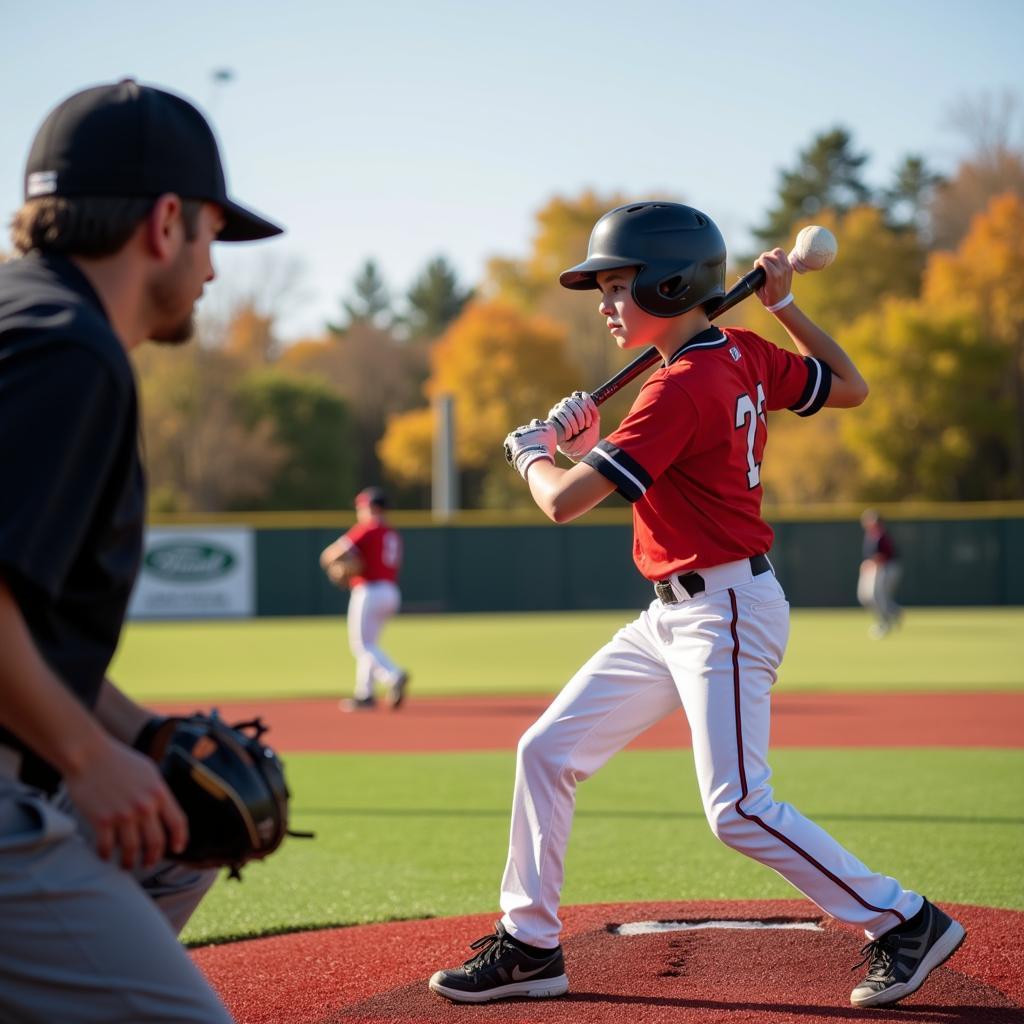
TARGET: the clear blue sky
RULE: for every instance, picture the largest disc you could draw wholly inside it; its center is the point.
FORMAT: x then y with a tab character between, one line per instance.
401	129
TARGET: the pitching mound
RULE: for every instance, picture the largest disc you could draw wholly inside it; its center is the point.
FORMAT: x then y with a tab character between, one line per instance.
793	965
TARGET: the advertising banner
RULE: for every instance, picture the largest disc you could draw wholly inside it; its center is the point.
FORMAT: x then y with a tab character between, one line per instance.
196	573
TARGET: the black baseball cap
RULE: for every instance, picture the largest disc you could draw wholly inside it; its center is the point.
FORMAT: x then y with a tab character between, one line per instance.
134	141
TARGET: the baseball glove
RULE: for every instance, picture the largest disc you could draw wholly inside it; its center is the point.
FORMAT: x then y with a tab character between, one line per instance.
343	569
230	785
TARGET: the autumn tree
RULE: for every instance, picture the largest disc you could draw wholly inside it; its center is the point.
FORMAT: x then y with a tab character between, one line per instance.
200	455
312	425
251	337
561	233
501	367
374	374
811	460
993	165
945	420
984	281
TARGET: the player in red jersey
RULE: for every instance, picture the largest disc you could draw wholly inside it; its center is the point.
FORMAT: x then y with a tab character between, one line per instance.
688	457
368	559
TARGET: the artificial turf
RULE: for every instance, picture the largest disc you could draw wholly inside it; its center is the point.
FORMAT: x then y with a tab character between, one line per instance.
406	836
936	649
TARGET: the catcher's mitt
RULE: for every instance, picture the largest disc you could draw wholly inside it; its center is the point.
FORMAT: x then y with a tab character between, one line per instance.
230	785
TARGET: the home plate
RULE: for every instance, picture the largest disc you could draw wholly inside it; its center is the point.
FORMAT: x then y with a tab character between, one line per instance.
655	927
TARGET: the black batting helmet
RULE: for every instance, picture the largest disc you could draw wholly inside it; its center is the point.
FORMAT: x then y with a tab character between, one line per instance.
678	251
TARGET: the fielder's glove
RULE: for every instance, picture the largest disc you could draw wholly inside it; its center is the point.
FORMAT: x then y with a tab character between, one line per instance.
345	568
230	785
579	422
528	443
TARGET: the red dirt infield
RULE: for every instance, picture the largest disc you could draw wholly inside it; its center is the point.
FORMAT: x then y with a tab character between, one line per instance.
987	719
378	973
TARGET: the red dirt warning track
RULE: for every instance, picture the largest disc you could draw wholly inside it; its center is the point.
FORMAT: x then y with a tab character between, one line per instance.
378	973
990	719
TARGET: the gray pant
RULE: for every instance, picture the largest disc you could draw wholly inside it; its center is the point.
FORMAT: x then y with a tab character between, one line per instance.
81	940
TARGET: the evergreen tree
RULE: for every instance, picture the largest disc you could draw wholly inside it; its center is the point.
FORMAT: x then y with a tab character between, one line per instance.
370	304
435	299
908	199
827	176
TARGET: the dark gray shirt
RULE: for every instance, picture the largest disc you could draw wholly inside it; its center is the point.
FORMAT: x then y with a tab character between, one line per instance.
72	491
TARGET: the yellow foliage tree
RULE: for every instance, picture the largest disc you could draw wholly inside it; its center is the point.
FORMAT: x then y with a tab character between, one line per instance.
560	240
502	368
945	419
810	460
406	449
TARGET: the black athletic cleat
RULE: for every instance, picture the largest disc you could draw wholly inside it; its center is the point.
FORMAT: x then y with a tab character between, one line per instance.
900	960
358	704
397	694
500	970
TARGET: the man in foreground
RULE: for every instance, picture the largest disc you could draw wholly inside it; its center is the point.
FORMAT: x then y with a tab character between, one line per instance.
124	196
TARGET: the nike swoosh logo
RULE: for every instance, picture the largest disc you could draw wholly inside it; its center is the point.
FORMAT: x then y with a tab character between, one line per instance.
519	975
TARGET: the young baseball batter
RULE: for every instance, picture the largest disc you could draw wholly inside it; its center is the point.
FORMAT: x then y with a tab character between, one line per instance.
688	457
368	559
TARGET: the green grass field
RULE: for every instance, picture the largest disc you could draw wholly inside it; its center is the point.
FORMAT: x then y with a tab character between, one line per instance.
406	836
936	649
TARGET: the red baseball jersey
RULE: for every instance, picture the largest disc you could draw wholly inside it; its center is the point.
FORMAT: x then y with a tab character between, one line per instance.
380	548
688	454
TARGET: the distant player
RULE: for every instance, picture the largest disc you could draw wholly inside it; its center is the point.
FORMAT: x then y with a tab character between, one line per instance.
879	574
688	456
368	559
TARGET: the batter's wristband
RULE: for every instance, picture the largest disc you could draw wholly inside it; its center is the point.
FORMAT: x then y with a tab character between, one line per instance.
144	741
781	304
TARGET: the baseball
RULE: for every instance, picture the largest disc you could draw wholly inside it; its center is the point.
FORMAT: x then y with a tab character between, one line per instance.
815	249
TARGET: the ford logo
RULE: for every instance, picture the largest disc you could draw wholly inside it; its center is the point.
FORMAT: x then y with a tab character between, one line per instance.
183	562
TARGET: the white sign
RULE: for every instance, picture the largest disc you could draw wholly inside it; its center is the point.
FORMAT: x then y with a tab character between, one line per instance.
195	573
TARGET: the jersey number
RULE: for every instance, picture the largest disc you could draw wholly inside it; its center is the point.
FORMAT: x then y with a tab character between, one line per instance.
391	550
747	414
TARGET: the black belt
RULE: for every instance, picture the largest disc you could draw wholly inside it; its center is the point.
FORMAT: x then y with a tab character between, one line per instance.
693	582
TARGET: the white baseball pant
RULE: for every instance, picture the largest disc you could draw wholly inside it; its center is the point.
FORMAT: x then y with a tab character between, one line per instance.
876	589
370	605
716	654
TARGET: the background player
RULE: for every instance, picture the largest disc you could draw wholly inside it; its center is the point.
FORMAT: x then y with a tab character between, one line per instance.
688	457
124	194
368	559
879	574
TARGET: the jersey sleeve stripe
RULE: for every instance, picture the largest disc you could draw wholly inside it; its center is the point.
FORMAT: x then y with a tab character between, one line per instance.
630	478
817	389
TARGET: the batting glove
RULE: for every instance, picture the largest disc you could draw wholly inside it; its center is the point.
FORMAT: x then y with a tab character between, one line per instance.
528	443
579	422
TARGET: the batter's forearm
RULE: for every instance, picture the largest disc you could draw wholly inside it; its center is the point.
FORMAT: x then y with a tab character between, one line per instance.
848	386
566	494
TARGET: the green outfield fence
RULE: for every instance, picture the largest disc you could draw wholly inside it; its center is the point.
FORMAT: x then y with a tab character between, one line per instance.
957	554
